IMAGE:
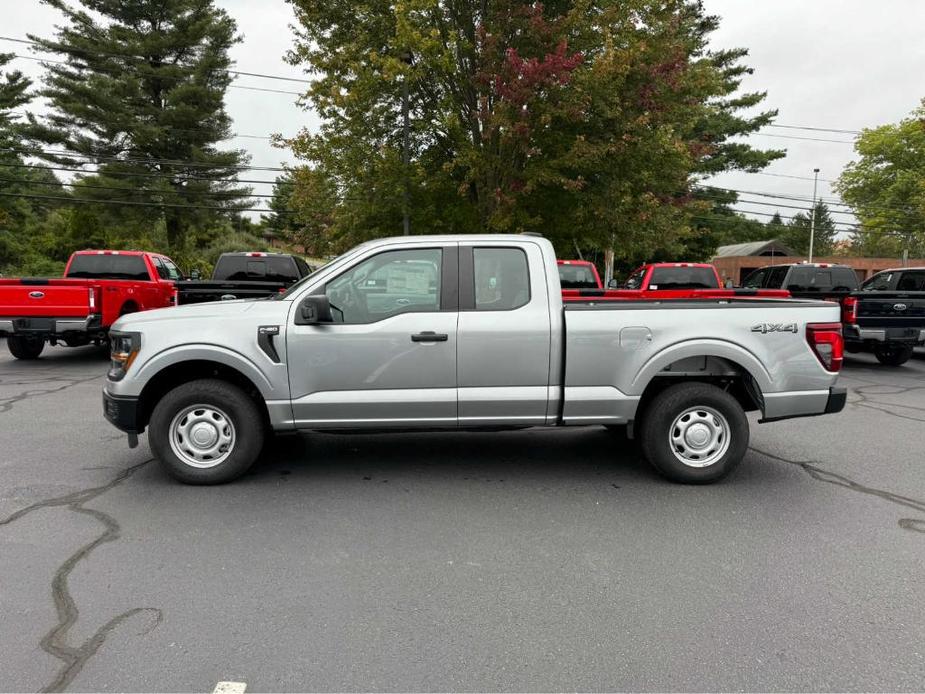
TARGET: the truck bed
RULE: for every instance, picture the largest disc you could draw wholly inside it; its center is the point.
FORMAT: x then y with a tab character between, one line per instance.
613	348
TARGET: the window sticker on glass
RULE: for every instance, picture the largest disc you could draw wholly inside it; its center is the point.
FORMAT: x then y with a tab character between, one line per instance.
408	280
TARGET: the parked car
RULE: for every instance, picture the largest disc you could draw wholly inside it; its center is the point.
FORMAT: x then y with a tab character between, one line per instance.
98	287
253	275
465	332
887	315
652	281
888	322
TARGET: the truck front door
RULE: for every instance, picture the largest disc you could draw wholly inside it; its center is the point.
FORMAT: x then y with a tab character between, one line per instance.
389	357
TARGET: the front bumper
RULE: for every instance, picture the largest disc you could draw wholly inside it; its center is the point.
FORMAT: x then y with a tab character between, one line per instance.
122	412
910	336
780	406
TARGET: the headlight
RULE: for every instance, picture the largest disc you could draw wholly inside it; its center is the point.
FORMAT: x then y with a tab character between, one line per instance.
124	348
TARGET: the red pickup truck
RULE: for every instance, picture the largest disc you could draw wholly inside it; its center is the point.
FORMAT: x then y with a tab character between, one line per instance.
654	281
97	288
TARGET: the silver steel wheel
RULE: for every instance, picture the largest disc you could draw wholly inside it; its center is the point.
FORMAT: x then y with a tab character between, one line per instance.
202	436
699	436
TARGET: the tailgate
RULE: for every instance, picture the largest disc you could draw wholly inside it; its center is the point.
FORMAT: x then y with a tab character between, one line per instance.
47	300
192	291
900	311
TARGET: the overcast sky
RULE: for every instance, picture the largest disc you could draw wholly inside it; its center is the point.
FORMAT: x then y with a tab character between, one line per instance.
843	64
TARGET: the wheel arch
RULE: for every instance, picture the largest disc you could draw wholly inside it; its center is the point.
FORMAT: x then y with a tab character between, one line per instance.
178	373
741	378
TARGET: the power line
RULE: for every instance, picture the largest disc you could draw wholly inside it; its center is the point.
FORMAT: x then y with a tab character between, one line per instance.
81	185
132	203
75	51
147	160
821	130
110	174
167	77
797	137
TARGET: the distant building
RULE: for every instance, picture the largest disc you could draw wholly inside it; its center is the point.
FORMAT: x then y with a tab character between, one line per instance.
738	261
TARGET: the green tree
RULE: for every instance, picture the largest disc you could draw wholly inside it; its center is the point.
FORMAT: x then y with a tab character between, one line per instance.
22	219
587	122
886	187
796	234
141	98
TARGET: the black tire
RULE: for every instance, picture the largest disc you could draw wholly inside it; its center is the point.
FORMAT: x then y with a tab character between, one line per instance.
893	355
25	347
725	441
215	397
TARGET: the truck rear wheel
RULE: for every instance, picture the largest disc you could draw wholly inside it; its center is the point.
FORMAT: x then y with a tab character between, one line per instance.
206	432
893	355
694	433
25	347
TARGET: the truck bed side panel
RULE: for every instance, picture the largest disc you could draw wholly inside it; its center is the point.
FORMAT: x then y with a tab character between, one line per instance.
613	351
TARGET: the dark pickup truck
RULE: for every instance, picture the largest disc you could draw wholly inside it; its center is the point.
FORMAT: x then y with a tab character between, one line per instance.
245	276
886	316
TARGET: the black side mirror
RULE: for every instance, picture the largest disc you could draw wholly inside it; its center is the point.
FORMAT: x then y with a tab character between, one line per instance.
313	310
613	284
728	284
195	274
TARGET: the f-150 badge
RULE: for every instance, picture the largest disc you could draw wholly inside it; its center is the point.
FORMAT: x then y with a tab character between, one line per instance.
765	328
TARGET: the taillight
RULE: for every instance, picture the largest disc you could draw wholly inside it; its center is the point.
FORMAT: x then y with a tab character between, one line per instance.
92	291
849	309
827	344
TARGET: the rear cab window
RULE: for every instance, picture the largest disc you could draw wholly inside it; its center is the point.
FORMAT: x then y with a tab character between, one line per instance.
822	279
878	283
256	268
502	279
683	278
577	277
108	266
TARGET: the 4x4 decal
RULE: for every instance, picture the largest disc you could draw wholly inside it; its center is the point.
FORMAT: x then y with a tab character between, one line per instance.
765	328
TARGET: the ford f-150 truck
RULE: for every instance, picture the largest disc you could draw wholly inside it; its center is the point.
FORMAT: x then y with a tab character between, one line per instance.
97	288
252	275
468	331
887	317
653	281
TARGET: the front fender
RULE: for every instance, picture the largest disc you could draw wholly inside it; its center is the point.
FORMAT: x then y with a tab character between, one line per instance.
204	352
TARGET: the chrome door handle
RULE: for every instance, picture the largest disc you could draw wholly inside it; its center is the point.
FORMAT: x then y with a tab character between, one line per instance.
430	336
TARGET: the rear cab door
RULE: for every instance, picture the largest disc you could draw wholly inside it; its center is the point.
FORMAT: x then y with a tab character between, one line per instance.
505	333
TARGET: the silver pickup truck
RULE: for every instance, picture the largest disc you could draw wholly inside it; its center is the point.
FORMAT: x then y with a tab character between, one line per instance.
451	332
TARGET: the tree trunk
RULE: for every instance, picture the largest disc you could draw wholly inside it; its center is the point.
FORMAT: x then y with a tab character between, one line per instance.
175	232
608	265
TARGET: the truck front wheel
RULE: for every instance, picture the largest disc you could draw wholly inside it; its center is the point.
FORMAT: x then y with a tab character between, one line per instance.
206	432
893	355
25	347
694	433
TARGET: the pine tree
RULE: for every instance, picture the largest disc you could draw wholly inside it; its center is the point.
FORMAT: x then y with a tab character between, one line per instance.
142	92
796	234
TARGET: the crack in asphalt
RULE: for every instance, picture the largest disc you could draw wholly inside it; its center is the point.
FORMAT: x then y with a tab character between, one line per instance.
54	642
822	475
6	404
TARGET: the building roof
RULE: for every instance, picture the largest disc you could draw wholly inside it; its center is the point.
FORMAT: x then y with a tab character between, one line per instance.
763	248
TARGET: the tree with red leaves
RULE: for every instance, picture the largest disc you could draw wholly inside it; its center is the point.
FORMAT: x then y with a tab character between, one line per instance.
585	120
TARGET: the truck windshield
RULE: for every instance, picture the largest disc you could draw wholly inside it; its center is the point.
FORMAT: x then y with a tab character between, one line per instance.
108	267
256	268
577	277
683	278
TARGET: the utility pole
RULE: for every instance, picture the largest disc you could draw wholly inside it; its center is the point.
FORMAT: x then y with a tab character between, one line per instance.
812	223
405	147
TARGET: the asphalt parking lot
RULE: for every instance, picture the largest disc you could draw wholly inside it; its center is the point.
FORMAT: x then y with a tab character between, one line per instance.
532	560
